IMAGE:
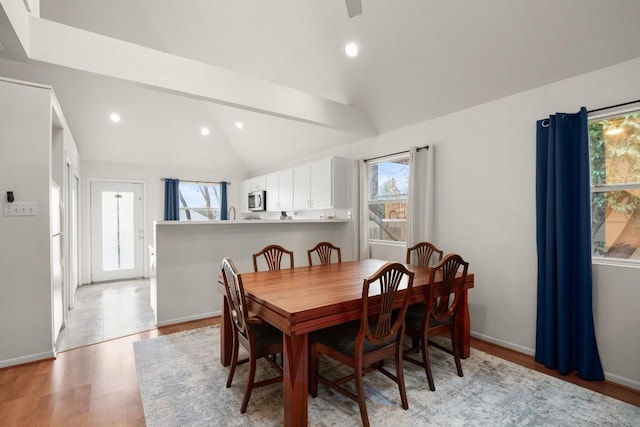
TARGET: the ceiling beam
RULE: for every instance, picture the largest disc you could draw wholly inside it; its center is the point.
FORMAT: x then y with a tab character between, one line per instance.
14	20
65	46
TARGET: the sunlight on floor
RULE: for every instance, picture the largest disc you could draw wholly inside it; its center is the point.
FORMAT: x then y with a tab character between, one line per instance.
106	311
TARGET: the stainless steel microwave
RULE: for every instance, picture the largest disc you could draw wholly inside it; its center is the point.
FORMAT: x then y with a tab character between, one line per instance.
257	200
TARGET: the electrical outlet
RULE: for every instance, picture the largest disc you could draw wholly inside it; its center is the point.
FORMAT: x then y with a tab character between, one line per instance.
21	209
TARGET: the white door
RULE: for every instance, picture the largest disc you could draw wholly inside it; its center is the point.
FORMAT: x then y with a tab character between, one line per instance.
117	230
72	232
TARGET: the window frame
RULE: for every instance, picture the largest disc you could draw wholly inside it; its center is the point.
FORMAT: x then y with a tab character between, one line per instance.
604	188
184	209
383	159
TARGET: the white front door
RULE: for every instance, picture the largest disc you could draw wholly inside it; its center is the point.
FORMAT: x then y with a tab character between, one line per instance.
117	230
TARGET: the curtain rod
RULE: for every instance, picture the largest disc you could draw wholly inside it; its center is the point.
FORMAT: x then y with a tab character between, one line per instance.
426	147
199	182
614	106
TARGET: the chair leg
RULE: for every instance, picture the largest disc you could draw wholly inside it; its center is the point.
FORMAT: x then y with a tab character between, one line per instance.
360	394
234	360
427	363
313	372
247	393
456	351
400	376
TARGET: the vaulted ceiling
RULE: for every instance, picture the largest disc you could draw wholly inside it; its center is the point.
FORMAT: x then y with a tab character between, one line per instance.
418	59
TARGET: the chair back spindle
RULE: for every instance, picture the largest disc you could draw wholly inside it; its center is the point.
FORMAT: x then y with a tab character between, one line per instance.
273	256
324	250
235	295
389	278
424	254
444	304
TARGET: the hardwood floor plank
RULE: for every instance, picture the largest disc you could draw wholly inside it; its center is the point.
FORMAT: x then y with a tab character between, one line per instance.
97	385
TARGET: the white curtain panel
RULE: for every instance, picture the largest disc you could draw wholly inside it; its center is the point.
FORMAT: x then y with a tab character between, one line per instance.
420	226
363	212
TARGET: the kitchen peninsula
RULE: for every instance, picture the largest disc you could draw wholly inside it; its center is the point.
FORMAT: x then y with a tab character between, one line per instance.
188	257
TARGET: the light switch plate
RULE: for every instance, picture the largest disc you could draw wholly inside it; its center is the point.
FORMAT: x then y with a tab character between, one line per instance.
21	209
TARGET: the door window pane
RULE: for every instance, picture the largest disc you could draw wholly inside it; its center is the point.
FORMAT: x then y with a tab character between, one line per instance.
118	234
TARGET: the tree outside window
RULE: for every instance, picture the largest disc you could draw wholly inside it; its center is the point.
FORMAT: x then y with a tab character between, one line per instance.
614	144
199	201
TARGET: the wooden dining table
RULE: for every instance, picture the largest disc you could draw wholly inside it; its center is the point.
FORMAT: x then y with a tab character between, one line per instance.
305	299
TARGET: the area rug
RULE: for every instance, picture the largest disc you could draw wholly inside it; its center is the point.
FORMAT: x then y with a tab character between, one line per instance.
182	383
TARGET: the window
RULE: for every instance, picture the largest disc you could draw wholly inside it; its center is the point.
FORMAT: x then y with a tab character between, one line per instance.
387	189
199	201
614	143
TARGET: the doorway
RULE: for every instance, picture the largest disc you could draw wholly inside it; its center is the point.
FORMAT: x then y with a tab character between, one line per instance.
117	230
117	302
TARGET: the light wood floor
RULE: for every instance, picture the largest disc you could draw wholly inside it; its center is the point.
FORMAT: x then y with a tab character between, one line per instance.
97	384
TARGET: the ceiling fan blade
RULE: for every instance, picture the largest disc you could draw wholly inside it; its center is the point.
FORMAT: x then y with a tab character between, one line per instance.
354	7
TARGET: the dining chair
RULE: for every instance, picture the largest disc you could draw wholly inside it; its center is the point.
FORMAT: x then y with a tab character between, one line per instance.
273	256
438	314
324	250
423	253
364	344
259	338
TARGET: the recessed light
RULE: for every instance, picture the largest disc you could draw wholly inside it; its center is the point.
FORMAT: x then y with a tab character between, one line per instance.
115	117
204	131
351	50
239	125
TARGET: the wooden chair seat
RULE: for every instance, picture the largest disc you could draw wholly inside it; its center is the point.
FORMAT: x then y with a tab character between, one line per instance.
342	338
266	337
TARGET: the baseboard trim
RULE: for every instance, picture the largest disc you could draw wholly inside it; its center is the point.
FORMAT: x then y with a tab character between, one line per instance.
608	376
622	381
189	318
505	344
27	359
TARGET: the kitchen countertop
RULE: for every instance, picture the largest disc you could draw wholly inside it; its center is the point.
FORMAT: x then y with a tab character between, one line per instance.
252	221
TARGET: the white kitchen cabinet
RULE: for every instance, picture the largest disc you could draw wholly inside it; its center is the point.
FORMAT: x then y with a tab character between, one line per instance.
259	183
272	192
279	190
285	189
323	184
302	187
245	188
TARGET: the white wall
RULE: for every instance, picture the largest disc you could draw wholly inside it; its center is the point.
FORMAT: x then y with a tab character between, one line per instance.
154	189
485	210
189	256
25	282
